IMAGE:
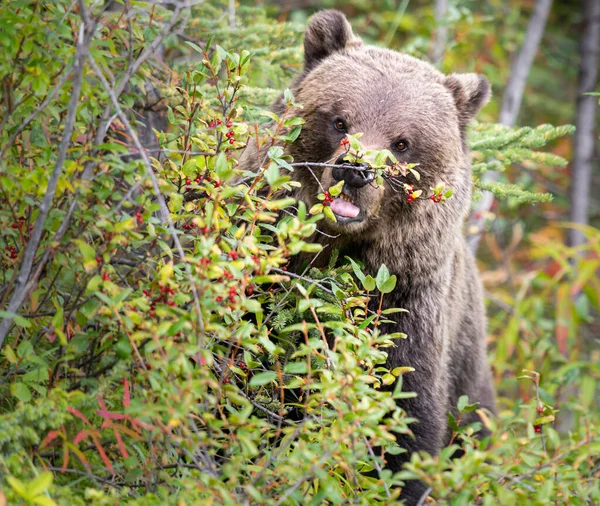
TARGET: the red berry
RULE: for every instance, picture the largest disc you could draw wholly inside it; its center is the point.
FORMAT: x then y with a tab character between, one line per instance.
99	260
233	255
537	429
540	409
198	179
219	299
228	124
219	122
188	181
250	290
226	381
105	276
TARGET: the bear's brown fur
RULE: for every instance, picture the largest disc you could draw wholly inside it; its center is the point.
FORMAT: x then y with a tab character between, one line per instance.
391	97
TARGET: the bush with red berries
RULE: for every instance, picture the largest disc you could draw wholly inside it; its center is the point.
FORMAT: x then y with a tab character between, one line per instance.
162	353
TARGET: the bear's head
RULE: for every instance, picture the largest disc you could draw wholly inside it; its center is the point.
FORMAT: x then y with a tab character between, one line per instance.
398	103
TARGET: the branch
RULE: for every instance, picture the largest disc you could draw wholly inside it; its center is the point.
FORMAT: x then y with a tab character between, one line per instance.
85	37
441	31
511	103
34	114
164	210
585	122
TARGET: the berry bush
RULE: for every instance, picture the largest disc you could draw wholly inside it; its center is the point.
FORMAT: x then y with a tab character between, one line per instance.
154	347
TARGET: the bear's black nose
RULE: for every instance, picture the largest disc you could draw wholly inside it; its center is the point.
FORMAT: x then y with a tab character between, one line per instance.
355	175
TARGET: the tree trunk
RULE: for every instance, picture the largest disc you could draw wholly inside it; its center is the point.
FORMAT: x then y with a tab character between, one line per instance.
511	103
584	139
441	31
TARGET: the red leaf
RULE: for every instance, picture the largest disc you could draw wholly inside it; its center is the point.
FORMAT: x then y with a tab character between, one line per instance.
121	444
103	454
136	421
78	414
109	415
81	435
53	434
66	455
126	398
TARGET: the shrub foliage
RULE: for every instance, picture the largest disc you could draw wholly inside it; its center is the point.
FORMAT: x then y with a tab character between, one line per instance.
155	348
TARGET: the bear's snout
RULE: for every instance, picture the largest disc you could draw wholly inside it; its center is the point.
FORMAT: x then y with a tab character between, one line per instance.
355	175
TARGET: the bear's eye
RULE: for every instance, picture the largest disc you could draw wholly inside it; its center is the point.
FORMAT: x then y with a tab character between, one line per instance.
340	125
401	146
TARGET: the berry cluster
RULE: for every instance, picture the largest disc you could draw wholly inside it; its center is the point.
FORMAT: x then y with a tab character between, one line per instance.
410	191
139	218
189	226
20	223
328	198
436	198
165	293
13	252
232	294
233	255
345	142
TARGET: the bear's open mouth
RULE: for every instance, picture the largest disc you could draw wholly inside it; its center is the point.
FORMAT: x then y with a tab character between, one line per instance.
345	210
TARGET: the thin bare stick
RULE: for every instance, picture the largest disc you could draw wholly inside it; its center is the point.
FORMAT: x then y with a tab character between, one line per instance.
164	210
34	114
511	103
85	36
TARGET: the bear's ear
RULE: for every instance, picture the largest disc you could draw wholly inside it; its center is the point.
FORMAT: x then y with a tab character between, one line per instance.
328	32
471	92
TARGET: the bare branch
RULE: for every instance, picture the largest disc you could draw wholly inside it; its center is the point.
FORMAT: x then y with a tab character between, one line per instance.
441	31
85	36
164	210
511	103
34	114
585	121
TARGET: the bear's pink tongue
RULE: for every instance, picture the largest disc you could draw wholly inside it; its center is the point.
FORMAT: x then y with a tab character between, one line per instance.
342	207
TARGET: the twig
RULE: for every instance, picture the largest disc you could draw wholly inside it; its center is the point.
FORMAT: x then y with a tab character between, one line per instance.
34	114
85	37
164	210
424	497
511	103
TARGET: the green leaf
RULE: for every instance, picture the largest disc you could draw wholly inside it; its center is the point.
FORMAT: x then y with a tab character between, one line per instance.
18	319
43	500
262	378
329	213
369	283
357	271
40	484
18	486
21	391
388	285
464	406
316	209
382	277
222	167
337	189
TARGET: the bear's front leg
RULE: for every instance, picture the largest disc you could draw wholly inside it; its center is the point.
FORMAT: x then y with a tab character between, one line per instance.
424	349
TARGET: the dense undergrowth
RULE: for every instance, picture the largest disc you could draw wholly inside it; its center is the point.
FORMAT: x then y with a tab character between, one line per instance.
163	354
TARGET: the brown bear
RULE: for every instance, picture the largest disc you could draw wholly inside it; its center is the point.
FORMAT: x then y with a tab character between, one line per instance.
408	107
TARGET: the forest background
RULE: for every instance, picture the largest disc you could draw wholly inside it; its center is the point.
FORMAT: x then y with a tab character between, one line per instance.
150	332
